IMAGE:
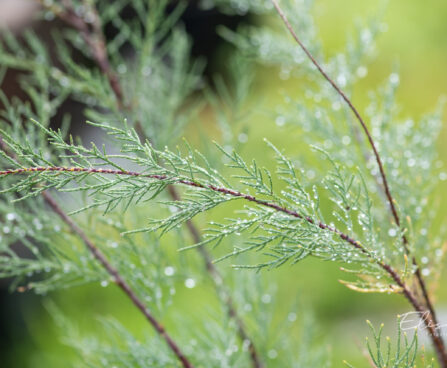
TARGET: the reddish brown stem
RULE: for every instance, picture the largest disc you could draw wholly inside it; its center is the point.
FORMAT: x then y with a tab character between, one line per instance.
110	269
125	287
442	354
223	190
94	38
216	276
92	35
437	340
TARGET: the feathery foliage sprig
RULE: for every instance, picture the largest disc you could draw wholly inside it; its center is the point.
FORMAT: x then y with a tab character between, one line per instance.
124	201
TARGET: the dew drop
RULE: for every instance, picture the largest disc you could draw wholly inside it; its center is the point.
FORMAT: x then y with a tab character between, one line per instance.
336	106
346	140
280	121
362	71
11	216
272	354
243	138
190	283
392	232
37	224
341	80
310	174
169	271
266	298
122	68
394	79
366	35
147	71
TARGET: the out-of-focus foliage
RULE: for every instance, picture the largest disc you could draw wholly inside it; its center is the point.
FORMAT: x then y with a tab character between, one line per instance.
335	211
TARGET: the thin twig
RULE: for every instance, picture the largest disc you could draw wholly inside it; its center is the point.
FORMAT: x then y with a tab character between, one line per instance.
95	40
96	252
217	278
436	338
118	279
223	190
442	355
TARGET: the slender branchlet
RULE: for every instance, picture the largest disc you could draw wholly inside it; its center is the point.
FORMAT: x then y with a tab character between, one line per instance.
118	280
218	281
286	224
113	272
233	193
438	342
93	36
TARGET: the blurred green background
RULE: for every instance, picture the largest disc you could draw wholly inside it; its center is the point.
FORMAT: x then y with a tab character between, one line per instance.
416	40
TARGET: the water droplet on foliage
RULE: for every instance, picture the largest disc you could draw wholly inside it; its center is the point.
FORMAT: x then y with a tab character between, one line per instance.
243	138
362	71
346	140
122	68
394	79
310	174
190	283
37	224
169	271
336	106
366	36
280	120
246	344
266	298
392	232
11	216
341	80
147	71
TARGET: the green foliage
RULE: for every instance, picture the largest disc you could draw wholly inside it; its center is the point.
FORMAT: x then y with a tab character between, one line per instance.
403	354
333	208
